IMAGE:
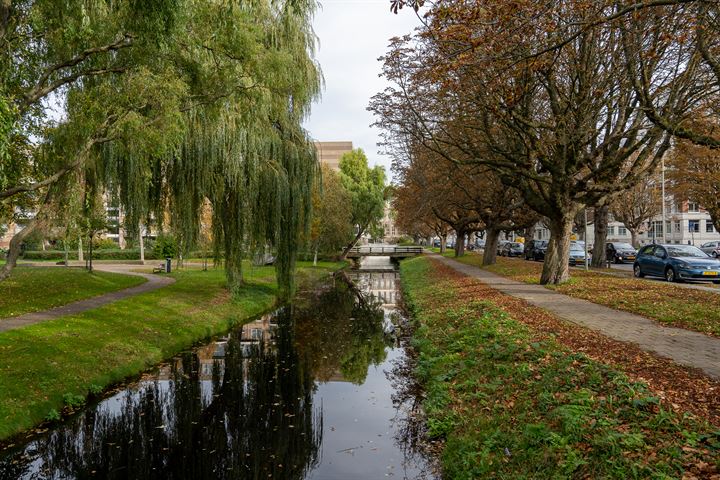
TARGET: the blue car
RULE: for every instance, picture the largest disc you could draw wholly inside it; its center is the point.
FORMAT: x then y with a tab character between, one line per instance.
676	263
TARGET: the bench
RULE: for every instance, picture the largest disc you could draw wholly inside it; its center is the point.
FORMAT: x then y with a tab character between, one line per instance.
159	269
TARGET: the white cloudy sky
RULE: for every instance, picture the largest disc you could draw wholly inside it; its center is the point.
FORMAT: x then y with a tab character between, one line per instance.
353	34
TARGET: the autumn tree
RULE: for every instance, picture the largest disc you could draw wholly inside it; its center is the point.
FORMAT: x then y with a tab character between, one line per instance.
635	207
694	174
534	92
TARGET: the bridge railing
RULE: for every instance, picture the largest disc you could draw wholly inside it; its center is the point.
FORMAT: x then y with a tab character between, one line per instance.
389	250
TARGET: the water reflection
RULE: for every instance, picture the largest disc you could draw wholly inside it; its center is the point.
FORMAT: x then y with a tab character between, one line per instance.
301	393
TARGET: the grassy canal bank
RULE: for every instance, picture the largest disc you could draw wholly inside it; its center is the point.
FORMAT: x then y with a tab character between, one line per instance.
511	401
54	364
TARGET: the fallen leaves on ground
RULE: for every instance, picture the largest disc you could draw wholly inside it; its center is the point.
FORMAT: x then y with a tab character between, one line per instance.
683	389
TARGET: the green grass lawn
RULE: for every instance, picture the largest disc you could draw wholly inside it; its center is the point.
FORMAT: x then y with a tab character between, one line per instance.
69	356
510	402
666	303
31	289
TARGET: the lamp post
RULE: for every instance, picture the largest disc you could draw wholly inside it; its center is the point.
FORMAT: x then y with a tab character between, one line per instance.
664	215
586	240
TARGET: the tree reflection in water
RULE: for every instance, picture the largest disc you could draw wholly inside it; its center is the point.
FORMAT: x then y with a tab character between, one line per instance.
241	407
340	337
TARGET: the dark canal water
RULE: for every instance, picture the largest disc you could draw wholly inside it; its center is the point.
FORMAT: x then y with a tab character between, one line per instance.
302	393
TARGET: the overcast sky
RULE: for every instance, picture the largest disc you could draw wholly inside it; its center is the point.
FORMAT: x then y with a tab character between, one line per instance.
353	34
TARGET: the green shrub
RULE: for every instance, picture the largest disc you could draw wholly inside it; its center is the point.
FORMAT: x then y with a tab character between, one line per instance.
165	246
104	244
406	241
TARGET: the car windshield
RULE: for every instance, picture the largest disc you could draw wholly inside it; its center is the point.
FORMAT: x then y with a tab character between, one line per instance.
623	246
685	251
577	248
517	245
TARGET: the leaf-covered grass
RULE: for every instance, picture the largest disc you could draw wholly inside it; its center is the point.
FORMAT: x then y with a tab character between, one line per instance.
513	403
31	289
47	363
666	303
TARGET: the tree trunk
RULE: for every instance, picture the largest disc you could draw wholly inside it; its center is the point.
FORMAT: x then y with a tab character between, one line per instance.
460	243
67	253
601	230
352	244
491	241
557	259
81	257
443	243
315	257
15	247
90	254
142	245
634	237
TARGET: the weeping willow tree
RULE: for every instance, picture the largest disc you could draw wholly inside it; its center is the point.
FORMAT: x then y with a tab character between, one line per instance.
180	103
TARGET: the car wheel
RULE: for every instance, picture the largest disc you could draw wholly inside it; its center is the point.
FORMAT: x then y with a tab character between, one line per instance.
714	254
617	260
637	271
670	275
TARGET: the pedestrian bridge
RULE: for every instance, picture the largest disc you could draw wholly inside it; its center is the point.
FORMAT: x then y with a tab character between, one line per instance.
384	251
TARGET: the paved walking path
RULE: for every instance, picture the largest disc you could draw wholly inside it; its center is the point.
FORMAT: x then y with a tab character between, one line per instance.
153	283
682	346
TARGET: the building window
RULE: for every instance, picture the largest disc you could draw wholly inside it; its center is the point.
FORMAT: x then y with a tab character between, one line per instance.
622	231
709	226
693	225
657	226
693	207
611	230
678	226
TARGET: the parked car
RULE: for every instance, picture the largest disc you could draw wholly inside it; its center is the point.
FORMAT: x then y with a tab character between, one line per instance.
480	243
535	250
500	245
711	248
436	243
619	252
577	254
676	263
512	249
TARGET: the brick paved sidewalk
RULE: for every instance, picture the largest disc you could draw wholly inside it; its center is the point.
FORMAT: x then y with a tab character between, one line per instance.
153	283
682	346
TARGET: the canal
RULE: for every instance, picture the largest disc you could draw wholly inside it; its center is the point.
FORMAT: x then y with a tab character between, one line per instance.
308	392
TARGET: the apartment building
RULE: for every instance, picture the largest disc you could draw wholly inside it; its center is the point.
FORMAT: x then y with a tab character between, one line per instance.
686	223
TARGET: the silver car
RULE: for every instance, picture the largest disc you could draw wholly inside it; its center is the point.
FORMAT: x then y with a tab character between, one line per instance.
711	248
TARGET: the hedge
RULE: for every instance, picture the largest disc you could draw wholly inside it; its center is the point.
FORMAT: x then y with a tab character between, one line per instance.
101	254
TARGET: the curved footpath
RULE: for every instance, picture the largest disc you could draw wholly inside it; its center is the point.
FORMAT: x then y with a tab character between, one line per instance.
682	346
153	283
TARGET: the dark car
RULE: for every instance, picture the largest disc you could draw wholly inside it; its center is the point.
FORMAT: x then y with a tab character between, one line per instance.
535	250
577	254
620	252
512	249
676	263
